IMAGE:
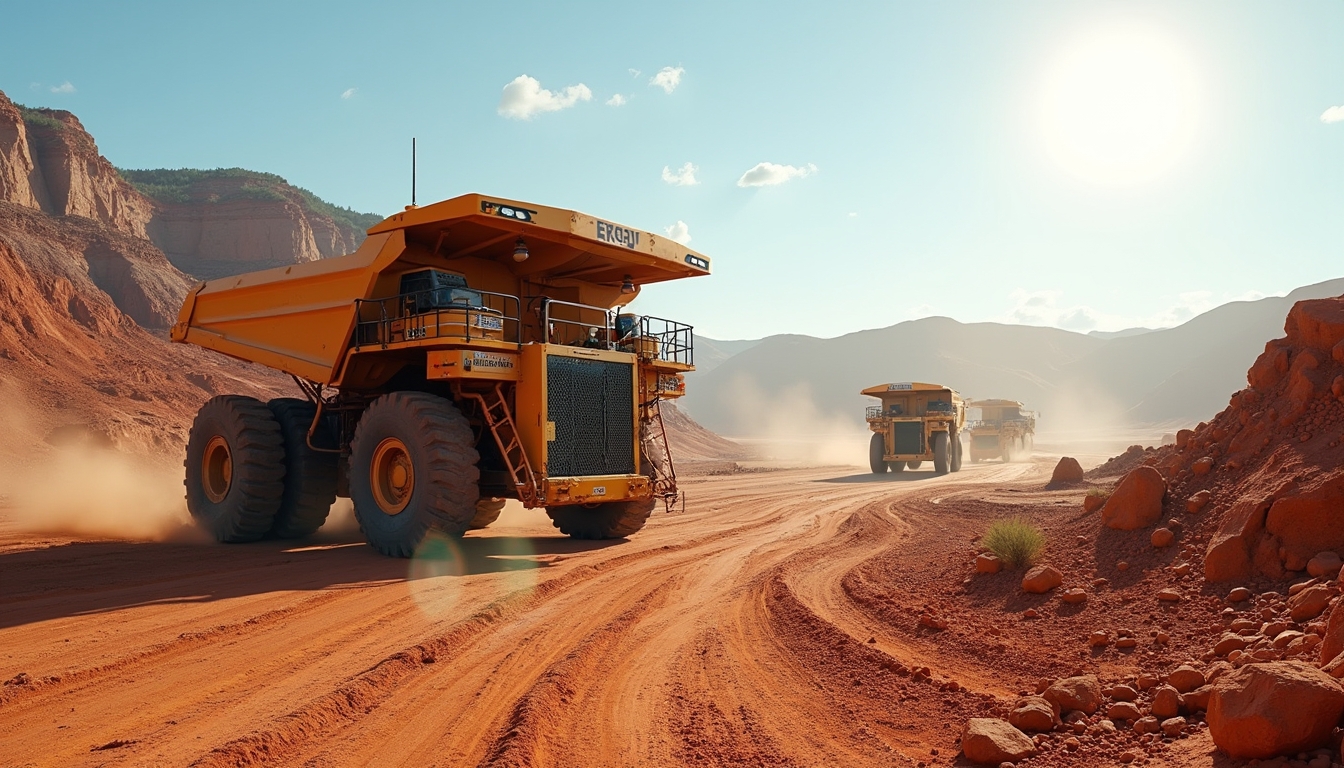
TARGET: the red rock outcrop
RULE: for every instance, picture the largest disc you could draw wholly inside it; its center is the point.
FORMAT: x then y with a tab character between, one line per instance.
50	163
1267	473
1265	710
1136	502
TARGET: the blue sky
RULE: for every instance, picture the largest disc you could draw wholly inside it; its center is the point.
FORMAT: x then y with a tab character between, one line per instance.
1070	163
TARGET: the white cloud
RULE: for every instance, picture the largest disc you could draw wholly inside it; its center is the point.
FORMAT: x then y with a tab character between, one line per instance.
853	214
524	98
635	73
685	177
679	232
349	93
65	87
770	174
1333	114
616	100
668	78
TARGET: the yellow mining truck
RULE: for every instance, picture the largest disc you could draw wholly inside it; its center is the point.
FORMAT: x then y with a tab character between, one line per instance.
471	351
1004	430
916	422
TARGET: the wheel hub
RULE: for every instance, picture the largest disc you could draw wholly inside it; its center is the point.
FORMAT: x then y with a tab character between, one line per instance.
391	476
216	469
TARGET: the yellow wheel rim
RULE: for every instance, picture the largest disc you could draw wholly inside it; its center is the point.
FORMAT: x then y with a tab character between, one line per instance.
391	476
216	469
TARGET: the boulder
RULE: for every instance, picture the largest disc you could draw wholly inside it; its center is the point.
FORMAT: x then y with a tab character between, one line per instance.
990	741
1310	603
1325	565
1067	472
1185	678
1230	642
1172	727
1074	596
1197	502
1332	642
1081	693
1228	557
1136	502
1123	710
1123	692
1093	501
988	563
1183	437
1166	702
1198	699
1202	466
1041	579
1239	595
1034	713
1275	708
1162	537
1309	522
1316	323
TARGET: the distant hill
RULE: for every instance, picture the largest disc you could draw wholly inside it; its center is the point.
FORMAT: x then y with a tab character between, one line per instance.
1175	375
1121	333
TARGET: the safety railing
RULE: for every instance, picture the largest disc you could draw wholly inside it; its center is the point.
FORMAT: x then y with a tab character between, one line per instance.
652	338
675	342
397	319
873	412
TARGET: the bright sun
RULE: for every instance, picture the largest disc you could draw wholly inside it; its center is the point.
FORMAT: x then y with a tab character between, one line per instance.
1119	107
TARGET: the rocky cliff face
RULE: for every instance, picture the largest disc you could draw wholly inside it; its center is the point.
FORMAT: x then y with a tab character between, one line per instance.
225	221
50	163
208	223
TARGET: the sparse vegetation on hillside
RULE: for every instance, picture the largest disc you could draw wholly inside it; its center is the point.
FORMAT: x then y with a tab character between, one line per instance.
1100	493
1016	542
39	117
183	185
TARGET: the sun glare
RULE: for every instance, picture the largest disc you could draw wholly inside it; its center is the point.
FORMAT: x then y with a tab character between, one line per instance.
1119	107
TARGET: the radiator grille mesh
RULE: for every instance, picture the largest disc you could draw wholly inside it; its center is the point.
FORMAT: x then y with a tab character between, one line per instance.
592	405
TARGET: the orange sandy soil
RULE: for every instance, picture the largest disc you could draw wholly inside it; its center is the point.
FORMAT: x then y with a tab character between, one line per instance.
773	622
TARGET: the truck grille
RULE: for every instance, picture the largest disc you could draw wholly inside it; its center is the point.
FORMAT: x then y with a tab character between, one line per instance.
908	437
591	403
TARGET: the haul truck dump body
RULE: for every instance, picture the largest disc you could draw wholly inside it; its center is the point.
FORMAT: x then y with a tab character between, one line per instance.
470	351
916	422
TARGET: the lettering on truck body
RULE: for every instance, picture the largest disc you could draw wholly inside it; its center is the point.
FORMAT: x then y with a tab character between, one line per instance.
611	233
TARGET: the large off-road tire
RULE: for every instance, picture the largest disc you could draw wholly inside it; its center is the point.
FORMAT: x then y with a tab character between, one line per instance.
914	464
876	450
956	452
310	476
940	452
610	520
898	466
235	468
412	468
487	512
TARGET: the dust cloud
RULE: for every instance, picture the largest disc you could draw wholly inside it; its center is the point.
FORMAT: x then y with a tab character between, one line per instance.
86	490
788	426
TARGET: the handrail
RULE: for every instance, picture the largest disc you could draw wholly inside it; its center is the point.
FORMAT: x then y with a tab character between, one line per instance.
439	322
652	338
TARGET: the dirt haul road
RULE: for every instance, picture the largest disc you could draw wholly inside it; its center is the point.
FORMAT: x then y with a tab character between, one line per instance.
729	634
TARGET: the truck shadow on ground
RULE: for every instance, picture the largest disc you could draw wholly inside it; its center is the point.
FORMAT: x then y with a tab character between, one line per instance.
84	577
908	476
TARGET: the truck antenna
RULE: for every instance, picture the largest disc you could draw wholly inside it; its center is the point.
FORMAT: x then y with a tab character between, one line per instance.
412	171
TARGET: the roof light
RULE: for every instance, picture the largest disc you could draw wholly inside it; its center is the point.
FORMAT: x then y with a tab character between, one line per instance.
520	252
628	286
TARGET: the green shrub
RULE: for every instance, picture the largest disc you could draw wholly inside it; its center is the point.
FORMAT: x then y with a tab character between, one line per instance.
40	117
1099	493
1016	542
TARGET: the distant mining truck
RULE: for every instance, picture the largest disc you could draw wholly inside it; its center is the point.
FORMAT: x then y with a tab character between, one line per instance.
1005	430
916	422
471	351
